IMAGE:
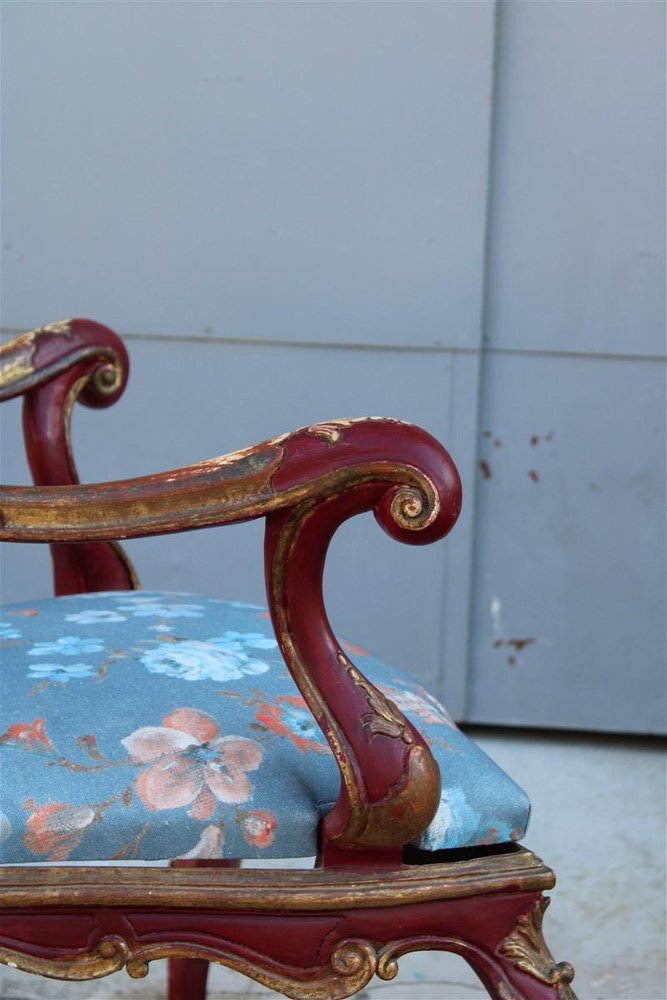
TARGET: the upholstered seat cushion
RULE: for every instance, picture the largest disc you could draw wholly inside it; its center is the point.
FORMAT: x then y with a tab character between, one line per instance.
159	725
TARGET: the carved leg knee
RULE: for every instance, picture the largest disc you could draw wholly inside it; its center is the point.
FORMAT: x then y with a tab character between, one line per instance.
520	966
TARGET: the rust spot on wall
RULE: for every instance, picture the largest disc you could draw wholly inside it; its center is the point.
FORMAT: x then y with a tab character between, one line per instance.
534	440
520	644
534	475
497	443
485	468
517	645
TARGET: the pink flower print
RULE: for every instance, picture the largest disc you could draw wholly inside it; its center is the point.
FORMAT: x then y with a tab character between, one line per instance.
54	830
421	704
190	765
259	828
29	735
291	717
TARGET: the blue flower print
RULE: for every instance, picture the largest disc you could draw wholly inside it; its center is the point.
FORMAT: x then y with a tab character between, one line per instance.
62	672
302	723
67	645
254	640
218	659
150	608
9	631
95	617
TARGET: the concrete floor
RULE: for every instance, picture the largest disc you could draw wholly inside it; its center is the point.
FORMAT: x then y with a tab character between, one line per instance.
598	819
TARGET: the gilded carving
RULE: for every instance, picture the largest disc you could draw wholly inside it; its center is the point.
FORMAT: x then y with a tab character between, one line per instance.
384	717
17	360
526	947
351	966
110	955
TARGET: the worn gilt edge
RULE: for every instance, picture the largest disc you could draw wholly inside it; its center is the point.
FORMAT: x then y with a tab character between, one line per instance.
18	374
331	431
137	508
257	890
351	966
526	947
109	955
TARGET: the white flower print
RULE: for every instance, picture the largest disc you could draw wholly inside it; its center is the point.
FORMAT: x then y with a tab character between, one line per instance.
217	659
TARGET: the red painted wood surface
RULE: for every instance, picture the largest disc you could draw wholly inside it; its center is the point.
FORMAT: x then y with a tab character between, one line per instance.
297	945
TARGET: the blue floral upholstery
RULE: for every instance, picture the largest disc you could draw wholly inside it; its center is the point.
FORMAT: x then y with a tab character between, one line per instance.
158	725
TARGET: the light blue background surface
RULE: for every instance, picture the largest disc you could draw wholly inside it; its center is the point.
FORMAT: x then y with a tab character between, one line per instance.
449	212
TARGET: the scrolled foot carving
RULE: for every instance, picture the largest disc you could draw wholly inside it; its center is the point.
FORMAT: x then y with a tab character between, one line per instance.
528	950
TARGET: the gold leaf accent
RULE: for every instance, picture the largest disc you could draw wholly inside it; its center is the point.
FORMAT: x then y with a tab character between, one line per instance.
384	717
110	955
187	890
351	966
332	431
17	359
526	947
62	327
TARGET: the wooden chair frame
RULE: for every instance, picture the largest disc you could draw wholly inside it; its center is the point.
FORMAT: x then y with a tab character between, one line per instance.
308	934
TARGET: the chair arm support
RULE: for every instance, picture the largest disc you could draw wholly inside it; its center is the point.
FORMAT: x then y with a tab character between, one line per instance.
52	368
306	484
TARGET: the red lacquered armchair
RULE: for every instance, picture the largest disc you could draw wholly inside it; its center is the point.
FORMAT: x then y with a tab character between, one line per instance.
159	726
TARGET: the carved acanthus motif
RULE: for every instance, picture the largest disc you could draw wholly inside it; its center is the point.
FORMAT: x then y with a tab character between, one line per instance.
526	947
384	717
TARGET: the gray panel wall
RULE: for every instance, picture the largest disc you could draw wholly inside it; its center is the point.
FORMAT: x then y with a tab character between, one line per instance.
570	549
299	211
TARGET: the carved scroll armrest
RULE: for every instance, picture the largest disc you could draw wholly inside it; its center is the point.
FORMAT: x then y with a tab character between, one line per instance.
53	367
306	484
